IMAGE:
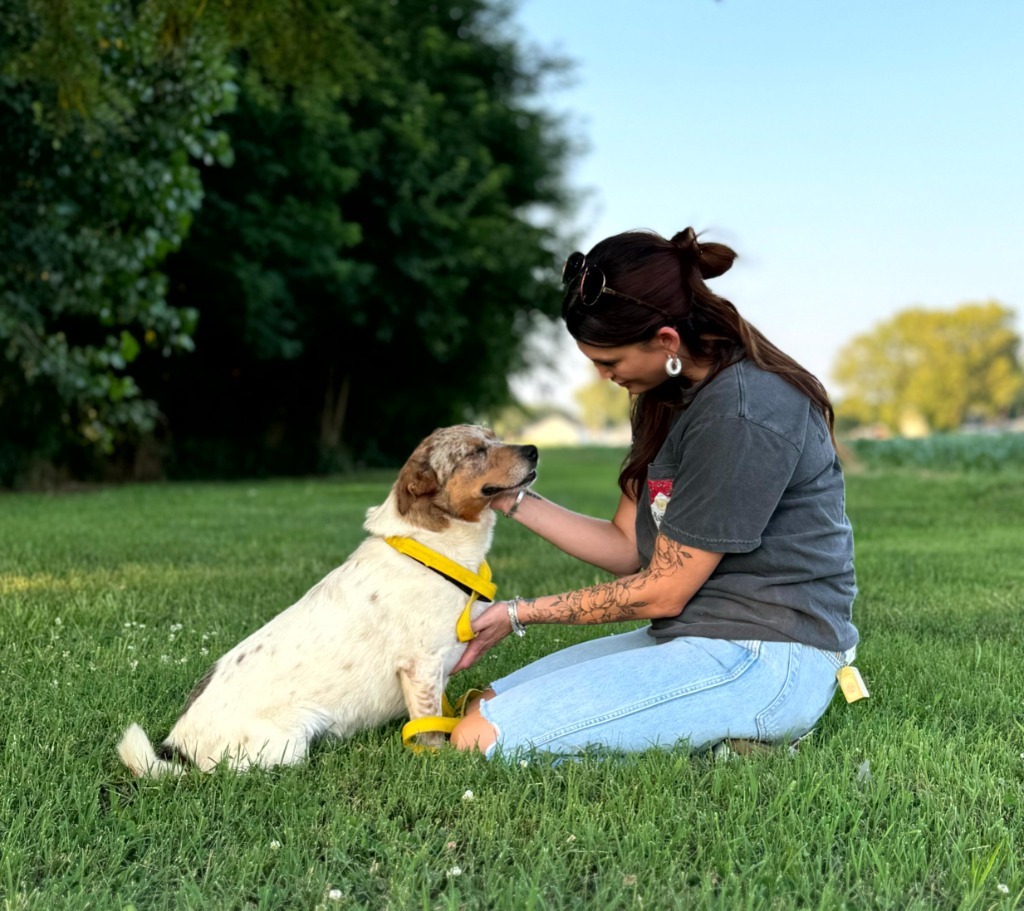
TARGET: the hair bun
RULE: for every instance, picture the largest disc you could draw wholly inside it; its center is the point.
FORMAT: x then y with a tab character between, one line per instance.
686	242
710	259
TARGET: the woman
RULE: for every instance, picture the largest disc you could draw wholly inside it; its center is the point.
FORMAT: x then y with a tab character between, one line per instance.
730	534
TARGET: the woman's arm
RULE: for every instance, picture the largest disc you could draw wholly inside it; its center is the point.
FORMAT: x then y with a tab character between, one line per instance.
663	589
609	545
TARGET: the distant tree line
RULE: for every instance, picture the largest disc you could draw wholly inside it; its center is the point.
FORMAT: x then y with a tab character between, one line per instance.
933	370
259	237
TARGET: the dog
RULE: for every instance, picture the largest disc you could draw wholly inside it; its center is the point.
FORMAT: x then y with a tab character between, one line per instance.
373	639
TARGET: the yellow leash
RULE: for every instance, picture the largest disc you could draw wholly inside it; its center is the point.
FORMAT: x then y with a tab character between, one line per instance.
480	586
444	724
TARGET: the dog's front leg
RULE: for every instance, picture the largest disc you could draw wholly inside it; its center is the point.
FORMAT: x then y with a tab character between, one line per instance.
422	681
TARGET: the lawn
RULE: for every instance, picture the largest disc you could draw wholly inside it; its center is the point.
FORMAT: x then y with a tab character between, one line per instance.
114	601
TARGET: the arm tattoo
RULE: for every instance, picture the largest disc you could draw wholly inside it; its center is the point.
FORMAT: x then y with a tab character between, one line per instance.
620	599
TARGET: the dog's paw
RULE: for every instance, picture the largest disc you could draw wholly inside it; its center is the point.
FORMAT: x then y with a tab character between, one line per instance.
431	740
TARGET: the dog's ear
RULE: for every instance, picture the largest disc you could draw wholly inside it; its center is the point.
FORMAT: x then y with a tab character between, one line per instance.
417	479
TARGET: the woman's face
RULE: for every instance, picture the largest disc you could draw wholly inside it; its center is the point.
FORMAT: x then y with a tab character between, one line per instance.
637	368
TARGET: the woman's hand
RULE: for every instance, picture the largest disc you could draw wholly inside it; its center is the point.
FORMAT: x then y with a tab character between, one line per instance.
490	627
503	502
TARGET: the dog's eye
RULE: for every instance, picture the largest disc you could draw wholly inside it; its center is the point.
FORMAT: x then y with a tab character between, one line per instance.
481	450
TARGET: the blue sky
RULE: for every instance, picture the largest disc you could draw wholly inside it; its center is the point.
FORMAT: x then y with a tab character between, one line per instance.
862	156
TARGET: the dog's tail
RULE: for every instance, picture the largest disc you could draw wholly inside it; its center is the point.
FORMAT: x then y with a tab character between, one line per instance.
138	754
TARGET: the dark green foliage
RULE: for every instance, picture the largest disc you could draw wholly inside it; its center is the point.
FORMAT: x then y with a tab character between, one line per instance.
364	272
366	269
90	203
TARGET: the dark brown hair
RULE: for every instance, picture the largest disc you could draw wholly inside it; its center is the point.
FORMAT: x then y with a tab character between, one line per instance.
666	279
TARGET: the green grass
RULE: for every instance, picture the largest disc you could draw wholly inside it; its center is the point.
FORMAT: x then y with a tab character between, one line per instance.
113	602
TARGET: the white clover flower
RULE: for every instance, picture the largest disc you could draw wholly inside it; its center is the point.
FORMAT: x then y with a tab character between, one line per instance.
133	664
334	895
453	871
1005	889
570	839
468	795
57	621
274	845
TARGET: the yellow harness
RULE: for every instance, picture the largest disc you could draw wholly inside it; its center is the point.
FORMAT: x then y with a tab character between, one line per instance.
476	585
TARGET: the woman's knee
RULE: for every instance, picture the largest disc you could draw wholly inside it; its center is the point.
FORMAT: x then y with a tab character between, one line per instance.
473	708
474	732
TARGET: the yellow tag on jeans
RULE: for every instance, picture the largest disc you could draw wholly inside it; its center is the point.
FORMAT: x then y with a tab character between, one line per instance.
851	683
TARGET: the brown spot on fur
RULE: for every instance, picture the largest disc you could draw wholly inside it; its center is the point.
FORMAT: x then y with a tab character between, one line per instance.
203	683
415	489
416	479
240	658
374	598
258	648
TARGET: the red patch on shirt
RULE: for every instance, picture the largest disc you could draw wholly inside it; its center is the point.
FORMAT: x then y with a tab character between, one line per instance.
655	487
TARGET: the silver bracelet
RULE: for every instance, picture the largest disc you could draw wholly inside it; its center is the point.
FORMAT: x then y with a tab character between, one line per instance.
513	617
519	499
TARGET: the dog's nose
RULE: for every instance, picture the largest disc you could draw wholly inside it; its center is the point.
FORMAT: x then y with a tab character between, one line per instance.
529	453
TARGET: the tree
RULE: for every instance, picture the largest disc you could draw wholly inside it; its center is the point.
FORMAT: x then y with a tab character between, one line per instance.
941	366
106	111
365	270
88	208
602	404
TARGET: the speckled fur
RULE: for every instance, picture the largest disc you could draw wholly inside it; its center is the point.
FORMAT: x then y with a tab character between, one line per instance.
373	640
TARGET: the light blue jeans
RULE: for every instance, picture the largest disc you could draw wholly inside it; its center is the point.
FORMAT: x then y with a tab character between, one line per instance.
628	692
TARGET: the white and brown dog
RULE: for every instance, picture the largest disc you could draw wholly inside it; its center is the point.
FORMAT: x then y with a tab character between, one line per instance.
373	640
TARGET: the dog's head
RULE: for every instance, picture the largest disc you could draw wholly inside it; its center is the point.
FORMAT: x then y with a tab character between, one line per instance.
456	472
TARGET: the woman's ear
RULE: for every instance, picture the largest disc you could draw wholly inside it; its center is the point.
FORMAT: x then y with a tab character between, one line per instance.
668	340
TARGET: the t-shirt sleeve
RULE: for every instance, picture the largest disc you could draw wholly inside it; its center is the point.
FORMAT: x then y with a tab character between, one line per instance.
731	476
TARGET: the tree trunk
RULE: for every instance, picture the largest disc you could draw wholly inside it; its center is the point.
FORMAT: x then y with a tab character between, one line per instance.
332	418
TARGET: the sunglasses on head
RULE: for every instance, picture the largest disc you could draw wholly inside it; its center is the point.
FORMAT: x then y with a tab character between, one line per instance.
592	283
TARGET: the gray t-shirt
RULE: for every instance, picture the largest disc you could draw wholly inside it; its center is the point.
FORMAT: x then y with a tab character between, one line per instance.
748	470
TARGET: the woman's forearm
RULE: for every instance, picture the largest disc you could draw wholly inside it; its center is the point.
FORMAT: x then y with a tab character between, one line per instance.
661	590
600	542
